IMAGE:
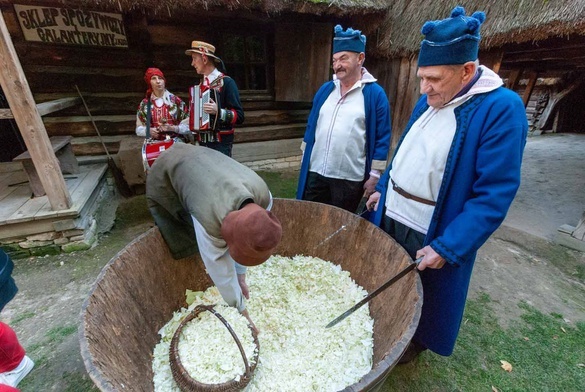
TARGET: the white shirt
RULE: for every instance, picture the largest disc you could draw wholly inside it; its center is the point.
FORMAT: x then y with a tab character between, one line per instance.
211	77
340	135
220	266
419	163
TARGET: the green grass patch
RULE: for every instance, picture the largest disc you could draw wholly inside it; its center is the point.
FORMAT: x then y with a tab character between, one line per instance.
281	184
545	353
58	334
76	382
22	317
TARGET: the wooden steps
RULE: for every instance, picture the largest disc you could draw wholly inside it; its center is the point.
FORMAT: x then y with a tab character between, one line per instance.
22	215
78	126
91	145
271	130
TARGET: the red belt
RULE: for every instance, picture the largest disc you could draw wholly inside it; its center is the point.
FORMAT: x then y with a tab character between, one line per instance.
403	193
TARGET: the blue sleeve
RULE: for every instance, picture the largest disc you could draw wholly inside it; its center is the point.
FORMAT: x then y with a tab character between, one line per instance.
232	99
383	127
496	180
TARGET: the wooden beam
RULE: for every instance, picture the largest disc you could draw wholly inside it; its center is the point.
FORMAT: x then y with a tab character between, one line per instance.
407	90
45	107
6	114
30	124
546	54
56	105
514	78
498	62
546	116
492	59
532	76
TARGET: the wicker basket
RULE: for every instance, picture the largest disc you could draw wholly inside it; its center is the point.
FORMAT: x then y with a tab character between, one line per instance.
182	377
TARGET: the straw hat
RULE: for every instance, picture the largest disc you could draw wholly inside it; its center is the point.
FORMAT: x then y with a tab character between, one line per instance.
202	48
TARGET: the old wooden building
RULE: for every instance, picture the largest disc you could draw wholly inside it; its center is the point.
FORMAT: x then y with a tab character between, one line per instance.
537	47
279	54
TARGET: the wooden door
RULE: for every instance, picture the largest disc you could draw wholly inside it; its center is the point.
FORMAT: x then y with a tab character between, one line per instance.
302	60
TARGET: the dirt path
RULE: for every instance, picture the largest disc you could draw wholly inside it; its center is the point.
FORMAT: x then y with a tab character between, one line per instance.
552	192
517	264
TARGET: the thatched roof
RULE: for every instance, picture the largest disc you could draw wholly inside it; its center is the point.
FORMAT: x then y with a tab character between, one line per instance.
509	21
317	7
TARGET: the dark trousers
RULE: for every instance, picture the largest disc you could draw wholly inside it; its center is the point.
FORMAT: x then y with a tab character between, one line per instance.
410	239
224	148
340	193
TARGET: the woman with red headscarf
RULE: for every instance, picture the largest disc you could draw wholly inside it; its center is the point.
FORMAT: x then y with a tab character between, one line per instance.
166	110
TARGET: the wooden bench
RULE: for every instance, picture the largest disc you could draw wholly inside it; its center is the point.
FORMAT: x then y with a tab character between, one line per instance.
64	153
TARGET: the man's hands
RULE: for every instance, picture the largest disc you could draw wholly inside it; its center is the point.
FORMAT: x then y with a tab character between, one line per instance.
154	133
247	315
244	285
431	259
370	185
210	107
246	292
168	128
372	203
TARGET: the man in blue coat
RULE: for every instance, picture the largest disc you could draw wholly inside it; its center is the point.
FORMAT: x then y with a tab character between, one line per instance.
454	174
348	132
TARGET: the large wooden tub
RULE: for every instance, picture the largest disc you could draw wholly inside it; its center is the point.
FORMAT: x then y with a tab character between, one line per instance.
138	290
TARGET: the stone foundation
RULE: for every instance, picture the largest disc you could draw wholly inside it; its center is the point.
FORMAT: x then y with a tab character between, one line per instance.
276	164
52	243
68	235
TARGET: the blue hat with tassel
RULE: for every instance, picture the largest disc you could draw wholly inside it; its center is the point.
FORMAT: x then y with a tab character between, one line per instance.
454	40
350	40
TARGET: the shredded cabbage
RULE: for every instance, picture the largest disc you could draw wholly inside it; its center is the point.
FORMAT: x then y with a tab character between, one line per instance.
291	301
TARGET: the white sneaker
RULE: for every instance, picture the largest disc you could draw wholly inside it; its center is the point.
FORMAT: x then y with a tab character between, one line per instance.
13	377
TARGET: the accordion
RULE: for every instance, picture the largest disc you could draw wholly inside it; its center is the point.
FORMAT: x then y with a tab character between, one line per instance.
198	119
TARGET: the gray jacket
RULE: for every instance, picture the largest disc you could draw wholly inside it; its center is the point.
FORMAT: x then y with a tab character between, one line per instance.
192	180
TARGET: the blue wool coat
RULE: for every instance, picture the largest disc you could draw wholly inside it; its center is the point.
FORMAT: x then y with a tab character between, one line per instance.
8	288
482	175
377	128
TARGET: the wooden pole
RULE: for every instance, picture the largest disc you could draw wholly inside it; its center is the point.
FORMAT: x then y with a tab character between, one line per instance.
514	78
492	59
497	61
29	122
532	76
407	94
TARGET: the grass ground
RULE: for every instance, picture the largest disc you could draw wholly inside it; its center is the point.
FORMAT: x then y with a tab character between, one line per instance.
546	351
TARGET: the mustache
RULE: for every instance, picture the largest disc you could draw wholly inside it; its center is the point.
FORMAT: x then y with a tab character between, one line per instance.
339	69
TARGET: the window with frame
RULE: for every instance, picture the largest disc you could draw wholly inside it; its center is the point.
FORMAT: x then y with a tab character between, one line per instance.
246	60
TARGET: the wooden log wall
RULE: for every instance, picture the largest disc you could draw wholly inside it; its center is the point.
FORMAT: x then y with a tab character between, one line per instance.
111	79
398	78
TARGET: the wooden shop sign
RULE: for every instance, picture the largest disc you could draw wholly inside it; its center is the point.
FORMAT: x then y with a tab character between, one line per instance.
71	26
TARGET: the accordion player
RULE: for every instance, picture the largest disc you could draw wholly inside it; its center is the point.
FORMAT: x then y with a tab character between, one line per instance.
199	120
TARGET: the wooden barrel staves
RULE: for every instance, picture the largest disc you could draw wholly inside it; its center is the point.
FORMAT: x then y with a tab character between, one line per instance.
139	289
